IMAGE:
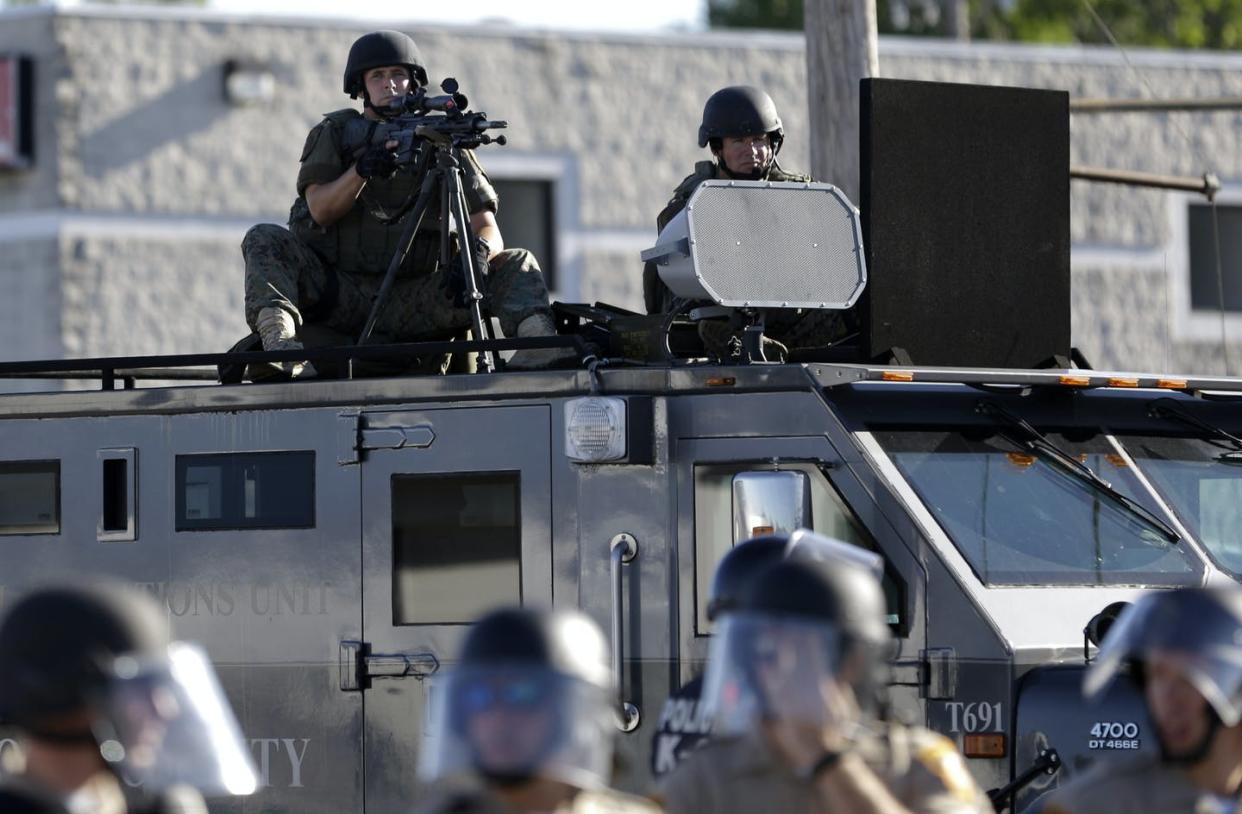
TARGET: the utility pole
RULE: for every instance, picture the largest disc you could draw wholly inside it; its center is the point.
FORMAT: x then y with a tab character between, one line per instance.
841	49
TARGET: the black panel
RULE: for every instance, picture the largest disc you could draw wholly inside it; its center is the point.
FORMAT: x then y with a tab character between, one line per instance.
965	202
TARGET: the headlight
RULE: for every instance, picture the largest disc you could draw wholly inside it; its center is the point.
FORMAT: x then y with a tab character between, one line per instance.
595	429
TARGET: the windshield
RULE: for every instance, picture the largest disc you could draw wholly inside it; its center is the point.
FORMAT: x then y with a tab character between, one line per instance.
1020	519
1202	483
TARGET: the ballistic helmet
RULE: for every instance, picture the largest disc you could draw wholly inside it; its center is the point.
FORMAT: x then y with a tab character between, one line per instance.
1201	628
530	697
94	664
738	568
740	110
378	49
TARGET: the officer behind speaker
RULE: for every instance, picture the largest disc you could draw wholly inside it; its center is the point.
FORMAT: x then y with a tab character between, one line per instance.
111	717
794	681
743	130
1183	650
327	267
524	722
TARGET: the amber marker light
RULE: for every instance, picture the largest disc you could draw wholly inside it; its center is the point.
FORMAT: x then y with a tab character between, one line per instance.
897	376
1075	381
1122	381
984	746
721	381
1171	384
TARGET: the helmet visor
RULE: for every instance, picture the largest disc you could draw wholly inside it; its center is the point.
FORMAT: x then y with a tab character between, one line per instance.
771	668
166	721
1188	630
518	722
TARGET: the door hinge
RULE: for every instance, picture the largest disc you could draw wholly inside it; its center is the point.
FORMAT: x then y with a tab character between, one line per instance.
358	665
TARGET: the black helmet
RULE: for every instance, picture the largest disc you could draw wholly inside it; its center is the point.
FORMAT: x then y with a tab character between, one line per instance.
564	642
56	645
738	567
740	110
1202	625
842	594
530	697
378	49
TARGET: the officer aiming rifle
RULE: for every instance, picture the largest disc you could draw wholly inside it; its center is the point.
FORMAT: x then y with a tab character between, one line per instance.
368	252
426	134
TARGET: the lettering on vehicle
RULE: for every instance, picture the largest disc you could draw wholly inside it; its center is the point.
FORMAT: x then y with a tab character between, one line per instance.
1115	735
270	756
227	598
976	716
684	725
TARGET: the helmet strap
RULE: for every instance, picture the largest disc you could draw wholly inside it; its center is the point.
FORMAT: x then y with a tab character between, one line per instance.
756	175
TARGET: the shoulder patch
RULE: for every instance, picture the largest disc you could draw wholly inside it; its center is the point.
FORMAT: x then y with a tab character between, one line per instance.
940	757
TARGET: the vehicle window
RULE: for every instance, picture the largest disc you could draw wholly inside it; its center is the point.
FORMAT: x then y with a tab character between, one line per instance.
713	527
1019	519
249	490
30	497
456	546
1202	482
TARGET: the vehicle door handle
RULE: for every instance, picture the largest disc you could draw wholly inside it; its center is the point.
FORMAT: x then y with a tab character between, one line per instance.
622	550
358	665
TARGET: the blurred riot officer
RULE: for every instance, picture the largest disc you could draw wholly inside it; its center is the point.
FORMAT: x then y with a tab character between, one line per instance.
1183	649
524	722
111	717
683	723
743	130
794	681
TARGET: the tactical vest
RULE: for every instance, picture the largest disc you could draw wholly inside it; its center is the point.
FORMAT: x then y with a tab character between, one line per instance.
360	243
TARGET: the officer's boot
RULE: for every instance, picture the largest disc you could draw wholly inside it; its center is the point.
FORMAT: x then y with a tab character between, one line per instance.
539	358
277	331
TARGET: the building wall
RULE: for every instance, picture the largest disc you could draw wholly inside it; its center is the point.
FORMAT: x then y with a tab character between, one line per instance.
147	177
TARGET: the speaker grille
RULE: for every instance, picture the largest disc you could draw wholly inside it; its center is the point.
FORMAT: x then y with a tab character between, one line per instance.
776	244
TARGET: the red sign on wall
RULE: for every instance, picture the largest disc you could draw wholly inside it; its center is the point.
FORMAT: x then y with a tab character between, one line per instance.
16	112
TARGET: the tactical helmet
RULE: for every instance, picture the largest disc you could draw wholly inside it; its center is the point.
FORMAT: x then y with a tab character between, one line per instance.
748	558
1202	627
741	110
55	645
93	664
738	567
838	593
529	697
378	49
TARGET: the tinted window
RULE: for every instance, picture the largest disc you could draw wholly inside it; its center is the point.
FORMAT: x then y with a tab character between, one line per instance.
30	497
526	217
252	490
1021	520
456	546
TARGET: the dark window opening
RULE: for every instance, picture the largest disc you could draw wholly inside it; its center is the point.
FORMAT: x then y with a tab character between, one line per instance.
253	490
1205	283
115	494
30	497
527	219
456	546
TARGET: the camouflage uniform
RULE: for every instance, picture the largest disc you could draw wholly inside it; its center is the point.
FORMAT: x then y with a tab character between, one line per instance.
332	274
1137	785
922	770
792	328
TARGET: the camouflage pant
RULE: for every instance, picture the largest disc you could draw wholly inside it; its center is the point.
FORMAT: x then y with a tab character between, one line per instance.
282	272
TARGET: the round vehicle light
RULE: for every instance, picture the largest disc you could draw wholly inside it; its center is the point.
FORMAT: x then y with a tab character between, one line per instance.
595	429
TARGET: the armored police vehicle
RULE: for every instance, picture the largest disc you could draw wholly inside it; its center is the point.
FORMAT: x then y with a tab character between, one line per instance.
330	540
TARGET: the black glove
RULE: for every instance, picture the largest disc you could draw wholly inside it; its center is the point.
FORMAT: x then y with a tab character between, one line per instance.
377	161
455	275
